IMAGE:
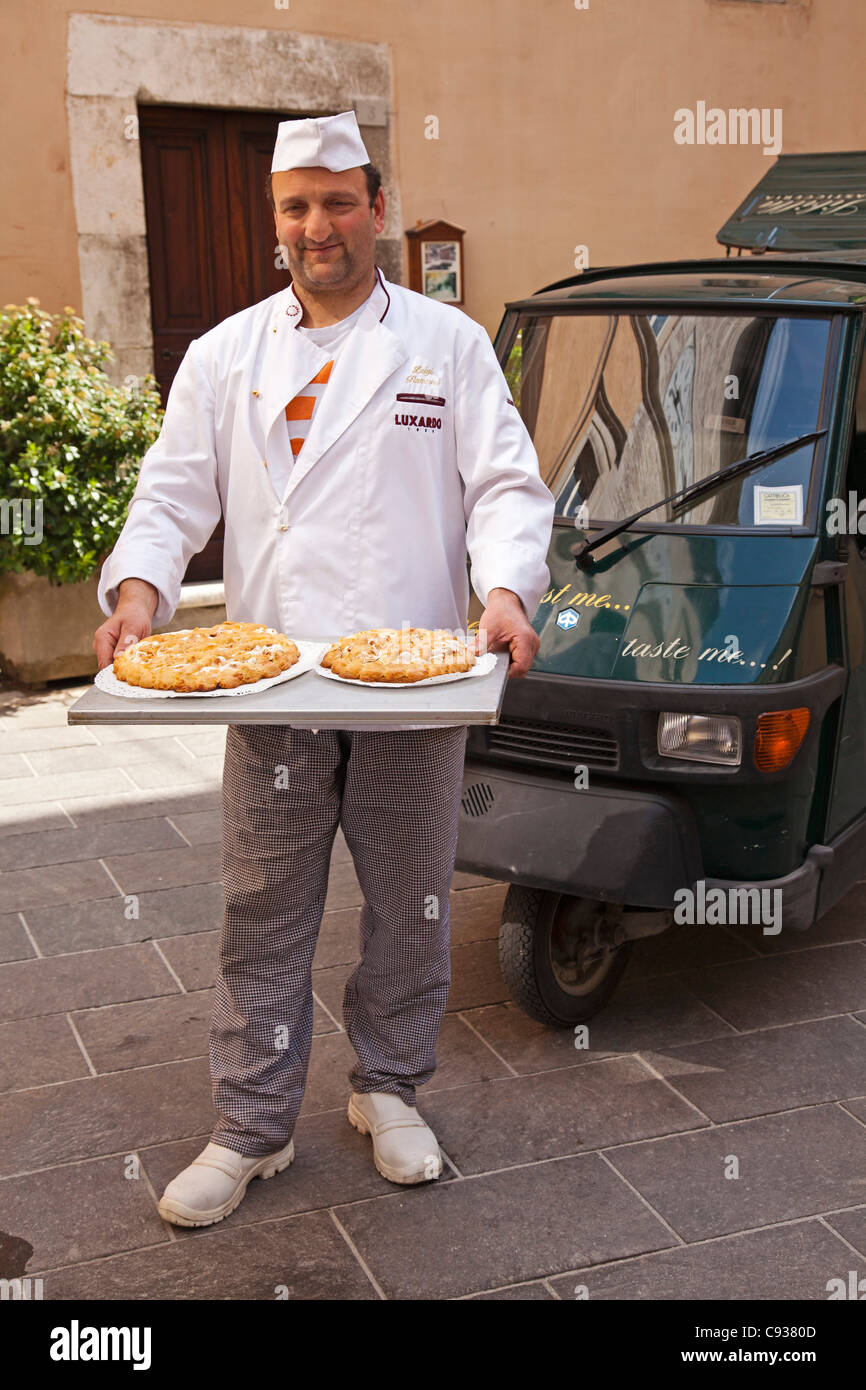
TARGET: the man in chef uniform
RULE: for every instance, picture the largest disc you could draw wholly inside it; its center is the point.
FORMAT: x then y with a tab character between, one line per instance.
358	439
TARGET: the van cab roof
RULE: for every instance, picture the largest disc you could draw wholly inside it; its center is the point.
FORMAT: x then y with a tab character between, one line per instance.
724	281
804	224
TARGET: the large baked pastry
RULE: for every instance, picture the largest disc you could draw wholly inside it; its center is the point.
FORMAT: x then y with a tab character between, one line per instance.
206	658
398	654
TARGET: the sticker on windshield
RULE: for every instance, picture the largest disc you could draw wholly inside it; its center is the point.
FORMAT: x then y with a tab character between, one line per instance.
780	506
567	618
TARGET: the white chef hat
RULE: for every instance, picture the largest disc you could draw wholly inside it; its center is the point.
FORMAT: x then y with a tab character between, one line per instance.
327	142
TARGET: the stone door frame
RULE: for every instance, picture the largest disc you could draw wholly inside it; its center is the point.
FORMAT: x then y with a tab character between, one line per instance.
115	63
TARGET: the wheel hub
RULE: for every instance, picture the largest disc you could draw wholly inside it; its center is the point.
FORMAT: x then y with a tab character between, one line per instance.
582	936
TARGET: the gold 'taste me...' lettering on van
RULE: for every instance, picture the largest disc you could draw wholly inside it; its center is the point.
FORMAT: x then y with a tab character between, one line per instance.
585	600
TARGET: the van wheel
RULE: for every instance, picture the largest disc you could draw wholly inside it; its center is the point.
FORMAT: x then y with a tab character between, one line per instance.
555	956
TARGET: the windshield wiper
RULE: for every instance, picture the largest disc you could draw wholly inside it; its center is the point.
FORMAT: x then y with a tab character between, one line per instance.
685	495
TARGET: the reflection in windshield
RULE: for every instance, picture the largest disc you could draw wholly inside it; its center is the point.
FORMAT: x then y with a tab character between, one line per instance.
624	409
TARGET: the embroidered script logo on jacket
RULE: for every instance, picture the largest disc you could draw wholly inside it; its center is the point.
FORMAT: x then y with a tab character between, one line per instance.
421	375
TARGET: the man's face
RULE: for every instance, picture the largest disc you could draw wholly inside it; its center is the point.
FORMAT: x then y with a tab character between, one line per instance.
327	226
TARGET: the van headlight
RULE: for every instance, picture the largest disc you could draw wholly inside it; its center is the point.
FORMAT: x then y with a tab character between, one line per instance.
701	738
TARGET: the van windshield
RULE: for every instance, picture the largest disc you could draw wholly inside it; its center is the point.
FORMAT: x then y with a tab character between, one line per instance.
624	409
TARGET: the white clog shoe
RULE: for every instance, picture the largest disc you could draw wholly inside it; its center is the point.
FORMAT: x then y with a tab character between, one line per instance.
404	1147
215	1183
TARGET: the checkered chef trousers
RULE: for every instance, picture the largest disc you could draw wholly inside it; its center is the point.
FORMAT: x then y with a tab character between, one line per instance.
397	796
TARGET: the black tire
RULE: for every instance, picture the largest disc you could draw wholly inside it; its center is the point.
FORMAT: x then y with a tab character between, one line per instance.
535	972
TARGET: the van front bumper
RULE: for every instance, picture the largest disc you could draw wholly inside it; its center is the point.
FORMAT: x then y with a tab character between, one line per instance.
614	844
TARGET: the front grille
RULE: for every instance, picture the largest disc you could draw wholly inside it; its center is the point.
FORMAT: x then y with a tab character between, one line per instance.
553	745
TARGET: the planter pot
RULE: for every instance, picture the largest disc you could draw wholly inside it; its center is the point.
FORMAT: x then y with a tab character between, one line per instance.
46	630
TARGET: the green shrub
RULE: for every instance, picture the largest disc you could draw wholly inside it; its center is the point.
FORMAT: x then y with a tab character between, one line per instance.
71	443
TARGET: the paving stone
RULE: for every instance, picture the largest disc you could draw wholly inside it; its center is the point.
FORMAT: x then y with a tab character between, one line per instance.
612	1102
150	776
338	942
145	1032
340	852
56	787
54	885
646	1013
80	1211
682	948
38	1051
475	976
18	820
101	1115
194	959
774	1069
332	1163
792	1165
127	733
857	1106
476	914
462	1059
168	912
785	1262
17	740
97	842
844	922
149	870
139	805
14	942
199	827
33	714
305	1255
328	986
14	765
344	890
327	1087
206	741
516	1293
475	979
784	989
80	981
851	1225
167	753
447	1239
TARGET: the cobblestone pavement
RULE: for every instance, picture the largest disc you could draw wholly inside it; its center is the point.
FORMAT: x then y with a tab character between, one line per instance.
603	1169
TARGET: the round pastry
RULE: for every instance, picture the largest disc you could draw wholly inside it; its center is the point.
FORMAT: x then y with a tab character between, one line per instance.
206	658
401	655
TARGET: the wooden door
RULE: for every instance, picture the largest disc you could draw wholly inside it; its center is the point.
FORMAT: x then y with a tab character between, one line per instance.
210	235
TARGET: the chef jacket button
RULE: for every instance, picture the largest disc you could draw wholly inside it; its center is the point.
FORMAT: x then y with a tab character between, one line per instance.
284	527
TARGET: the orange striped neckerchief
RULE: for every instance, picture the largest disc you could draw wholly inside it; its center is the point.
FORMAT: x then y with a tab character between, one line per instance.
303	405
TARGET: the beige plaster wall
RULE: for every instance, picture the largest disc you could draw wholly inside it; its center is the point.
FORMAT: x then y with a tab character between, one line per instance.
555	123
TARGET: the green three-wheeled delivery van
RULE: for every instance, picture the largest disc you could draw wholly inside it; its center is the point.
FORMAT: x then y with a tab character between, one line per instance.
690	744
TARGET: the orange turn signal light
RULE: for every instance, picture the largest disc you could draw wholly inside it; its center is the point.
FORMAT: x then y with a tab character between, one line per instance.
778	737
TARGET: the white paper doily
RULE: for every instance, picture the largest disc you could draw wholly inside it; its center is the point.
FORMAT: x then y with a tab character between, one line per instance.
483	666
311	652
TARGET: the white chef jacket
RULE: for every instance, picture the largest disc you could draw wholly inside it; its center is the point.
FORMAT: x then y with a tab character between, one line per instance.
415	454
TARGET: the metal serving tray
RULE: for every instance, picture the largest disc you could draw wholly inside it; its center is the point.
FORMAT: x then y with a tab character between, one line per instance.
311	701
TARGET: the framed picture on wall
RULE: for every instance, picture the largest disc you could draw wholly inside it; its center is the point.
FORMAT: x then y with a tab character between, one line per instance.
436	261
440	262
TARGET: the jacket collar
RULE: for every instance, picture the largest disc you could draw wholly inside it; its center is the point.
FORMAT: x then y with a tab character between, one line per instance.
378	303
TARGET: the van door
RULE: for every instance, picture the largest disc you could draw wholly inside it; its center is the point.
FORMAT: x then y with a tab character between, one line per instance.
848	795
